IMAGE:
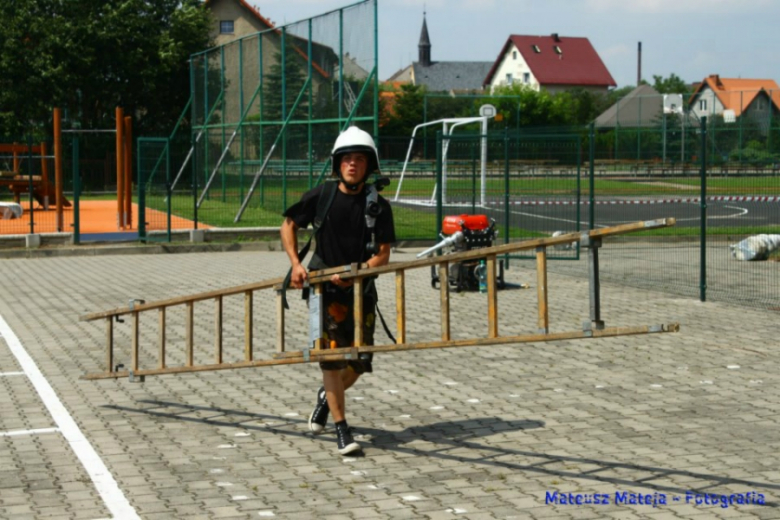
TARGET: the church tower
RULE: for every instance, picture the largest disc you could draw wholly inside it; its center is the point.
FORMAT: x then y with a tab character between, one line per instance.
424	47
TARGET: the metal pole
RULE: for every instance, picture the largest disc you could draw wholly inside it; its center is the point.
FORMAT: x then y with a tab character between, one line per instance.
76	192
376	76
310	107
591	180
663	129
284	116
439	200
222	88
703	214
168	187
142	195
58	167
241	111
483	156
30	184
506	190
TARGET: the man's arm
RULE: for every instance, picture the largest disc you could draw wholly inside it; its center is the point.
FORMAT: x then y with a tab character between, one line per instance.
378	260
381	258
289	234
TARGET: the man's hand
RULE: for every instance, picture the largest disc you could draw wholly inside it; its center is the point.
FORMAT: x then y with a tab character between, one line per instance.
338	282
299	276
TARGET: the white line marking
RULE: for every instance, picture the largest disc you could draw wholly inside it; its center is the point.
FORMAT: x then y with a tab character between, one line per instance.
8	374
28	432
106	486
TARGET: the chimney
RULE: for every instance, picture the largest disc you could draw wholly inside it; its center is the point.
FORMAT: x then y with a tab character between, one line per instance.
639	64
555	37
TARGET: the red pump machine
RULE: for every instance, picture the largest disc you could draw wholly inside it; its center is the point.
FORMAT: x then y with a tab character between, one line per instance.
464	233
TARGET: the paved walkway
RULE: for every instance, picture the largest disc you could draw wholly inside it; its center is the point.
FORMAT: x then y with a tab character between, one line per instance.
515	431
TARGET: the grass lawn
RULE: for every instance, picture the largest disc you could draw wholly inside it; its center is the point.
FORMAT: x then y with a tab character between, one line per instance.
268	203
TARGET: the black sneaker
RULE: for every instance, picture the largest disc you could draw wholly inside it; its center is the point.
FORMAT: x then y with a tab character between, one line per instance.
319	416
346	443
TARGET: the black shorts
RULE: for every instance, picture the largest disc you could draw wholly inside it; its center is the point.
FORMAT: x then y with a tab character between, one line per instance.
339	326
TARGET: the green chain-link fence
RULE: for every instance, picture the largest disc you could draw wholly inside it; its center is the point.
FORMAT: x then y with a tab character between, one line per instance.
264	112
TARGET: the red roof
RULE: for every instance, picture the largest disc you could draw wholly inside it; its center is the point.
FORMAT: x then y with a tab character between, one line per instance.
560	60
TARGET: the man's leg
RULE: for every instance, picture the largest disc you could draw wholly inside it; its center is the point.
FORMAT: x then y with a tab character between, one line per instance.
349	377
334	390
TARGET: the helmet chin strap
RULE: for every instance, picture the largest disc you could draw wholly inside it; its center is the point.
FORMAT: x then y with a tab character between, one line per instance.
352	187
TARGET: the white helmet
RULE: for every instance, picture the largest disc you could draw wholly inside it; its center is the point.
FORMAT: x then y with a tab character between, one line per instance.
353	139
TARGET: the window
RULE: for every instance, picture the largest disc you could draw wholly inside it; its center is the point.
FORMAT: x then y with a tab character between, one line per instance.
557	49
526	77
509	78
226	27
536	49
514	55
760	104
702	104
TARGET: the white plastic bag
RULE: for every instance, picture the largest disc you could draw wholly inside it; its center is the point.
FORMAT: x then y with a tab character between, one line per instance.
757	247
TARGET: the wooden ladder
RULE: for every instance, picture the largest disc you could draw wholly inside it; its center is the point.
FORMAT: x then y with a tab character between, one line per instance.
316	350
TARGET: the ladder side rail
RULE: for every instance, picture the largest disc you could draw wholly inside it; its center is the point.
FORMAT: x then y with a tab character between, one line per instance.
541	290
492	296
248	315
218	330
190	334
291	358
279	322
110	344
358	310
400	305
444	299
161	337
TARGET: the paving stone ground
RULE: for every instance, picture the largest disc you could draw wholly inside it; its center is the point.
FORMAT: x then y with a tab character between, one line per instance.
478	433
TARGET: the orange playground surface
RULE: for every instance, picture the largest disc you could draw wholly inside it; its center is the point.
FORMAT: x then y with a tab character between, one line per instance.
96	216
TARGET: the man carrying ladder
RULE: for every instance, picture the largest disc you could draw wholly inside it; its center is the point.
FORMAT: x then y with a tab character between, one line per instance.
352	223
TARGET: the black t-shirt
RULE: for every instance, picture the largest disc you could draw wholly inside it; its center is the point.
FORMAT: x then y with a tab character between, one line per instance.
343	236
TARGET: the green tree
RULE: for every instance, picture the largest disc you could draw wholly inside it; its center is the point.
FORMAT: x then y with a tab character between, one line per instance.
89	56
406	112
671	85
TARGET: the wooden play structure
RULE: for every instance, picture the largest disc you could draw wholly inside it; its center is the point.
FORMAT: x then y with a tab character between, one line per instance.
43	189
47	191
316	349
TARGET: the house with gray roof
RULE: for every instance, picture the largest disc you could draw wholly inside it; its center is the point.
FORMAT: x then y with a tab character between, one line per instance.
643	107
441	76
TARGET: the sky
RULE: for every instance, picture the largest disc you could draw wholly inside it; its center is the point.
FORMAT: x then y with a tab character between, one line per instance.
690	38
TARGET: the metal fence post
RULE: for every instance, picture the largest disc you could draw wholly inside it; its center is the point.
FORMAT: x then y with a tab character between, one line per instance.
439	199
703	213
591	175
76	193
30	184
506	191
141	195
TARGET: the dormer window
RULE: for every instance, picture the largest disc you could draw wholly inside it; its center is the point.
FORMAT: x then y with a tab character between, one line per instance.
536	49
226	27
557	49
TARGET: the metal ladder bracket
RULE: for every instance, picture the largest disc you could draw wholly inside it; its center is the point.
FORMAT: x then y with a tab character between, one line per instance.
134	378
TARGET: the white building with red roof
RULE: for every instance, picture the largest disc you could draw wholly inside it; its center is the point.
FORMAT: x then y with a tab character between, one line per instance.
555	63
